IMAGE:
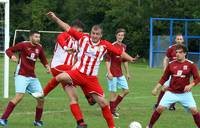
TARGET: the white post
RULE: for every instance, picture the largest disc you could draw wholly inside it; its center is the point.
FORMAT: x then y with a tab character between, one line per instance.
6	45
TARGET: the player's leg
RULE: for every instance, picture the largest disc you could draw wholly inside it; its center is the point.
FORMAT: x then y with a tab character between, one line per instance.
112	87
89	98
33	88
105	109
162	92
74	106
189	103
122	84
52	83
165	102
21	83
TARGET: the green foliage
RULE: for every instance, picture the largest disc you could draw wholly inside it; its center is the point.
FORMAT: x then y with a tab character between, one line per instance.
133	15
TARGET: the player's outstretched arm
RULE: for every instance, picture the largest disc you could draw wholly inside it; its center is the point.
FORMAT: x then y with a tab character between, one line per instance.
62	24
127	57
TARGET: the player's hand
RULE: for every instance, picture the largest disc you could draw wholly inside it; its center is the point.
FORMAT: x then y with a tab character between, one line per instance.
110	76
135	58
128	76
154	91
188	88
51	15
13	58
48	69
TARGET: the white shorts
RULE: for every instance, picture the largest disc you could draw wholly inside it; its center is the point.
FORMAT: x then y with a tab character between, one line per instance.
117	82
186	99
29	84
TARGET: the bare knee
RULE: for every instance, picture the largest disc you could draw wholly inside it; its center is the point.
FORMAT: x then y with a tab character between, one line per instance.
18	97
64	78
40	103
160	109
125	92
194	110
100	100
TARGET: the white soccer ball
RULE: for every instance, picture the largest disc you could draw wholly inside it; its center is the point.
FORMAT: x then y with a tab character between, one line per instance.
135	124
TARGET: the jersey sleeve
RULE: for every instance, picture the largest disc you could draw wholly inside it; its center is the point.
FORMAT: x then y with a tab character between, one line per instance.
165	76
196	78
42	57
18	47
108	56
168	52
63	38
77	35
113	49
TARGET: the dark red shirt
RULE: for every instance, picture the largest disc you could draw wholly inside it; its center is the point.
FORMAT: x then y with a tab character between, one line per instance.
180	73
28	54
116	61
171	52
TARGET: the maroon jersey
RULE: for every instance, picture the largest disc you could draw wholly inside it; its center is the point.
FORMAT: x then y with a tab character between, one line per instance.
171	52
28	54
180	75
116	61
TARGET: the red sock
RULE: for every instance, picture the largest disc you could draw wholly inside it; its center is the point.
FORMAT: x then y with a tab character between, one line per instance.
76	111
197	119
118	100
8	110
38	113
108	116
155	116
112	106
160	97
50	86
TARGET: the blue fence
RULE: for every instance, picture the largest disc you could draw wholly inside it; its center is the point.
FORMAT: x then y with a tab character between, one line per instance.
160	43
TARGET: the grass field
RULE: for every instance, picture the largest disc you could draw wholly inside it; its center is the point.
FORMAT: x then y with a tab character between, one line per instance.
137	106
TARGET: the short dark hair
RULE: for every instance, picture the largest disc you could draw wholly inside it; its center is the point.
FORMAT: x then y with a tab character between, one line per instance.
77	23
97	26
32	32
120	30
181	46
179	34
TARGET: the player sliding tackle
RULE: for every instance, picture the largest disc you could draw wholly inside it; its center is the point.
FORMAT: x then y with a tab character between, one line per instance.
91	52
180	86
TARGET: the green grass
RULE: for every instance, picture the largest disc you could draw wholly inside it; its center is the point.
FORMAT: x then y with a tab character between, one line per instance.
136	106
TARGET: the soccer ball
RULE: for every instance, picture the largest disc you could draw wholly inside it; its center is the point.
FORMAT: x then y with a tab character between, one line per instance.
135	124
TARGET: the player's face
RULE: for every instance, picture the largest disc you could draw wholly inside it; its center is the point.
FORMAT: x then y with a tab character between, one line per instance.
35	38
120	36
96	35
179	39
180	55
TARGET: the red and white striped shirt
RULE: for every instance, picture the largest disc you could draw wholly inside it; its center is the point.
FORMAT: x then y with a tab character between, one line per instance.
91	54
62	57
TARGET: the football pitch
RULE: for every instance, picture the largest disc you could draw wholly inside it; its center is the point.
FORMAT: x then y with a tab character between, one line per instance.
137	105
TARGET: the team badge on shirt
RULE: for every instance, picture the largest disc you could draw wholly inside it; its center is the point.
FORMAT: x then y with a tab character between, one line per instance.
185	67
36	50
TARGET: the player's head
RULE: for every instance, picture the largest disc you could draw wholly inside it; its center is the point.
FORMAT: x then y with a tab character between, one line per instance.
179	39
78	25
181	52
120	34
34	37
96	33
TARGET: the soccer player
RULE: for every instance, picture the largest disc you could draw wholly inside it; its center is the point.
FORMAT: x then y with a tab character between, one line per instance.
64	57
115	77
170	56
180	86
91	52
25	78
